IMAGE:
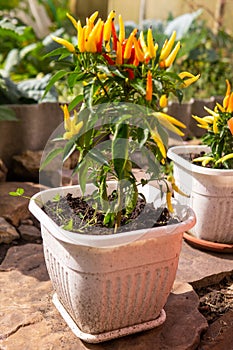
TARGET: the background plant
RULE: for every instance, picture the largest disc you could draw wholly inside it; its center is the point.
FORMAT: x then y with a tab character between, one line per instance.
219	133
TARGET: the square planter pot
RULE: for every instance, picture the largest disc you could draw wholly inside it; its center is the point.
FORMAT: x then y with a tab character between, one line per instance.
210	195
111	285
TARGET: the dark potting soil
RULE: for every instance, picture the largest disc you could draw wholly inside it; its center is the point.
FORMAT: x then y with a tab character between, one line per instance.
85	219
191	156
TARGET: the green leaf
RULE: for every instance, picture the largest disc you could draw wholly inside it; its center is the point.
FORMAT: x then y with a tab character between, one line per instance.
68	149
82	170
98	156
50	156
75	102
88	94
19	192
120	149
56	198
54	79
68	226
56	52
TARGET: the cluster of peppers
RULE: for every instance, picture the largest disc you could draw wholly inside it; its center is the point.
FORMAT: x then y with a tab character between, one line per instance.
101	37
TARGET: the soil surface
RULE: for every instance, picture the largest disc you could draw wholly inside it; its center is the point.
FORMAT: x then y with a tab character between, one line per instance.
84	216
217	299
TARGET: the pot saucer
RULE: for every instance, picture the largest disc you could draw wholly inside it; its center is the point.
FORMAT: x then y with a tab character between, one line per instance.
208	245
97	338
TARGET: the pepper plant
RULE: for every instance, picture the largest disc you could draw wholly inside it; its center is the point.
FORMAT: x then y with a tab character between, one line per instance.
126	83
219	133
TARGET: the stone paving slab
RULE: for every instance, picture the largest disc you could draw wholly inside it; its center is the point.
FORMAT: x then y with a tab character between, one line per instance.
15	209
219	335
29	320
201	268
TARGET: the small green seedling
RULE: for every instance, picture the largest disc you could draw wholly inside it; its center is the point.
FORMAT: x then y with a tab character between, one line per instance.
18	193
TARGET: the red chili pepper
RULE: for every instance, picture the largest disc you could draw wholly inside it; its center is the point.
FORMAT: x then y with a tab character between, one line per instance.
132	56
130	73
114	36
108	59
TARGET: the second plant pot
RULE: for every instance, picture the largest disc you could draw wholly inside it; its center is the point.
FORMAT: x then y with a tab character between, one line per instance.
210	194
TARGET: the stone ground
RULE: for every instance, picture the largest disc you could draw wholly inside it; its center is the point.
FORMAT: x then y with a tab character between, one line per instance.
30	321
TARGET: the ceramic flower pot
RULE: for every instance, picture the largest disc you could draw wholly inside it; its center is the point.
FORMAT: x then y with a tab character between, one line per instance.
111	285
210	195
31	131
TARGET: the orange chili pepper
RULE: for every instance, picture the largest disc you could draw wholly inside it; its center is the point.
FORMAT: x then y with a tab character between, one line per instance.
119	53
230	103
149	86
230	125
129	44
138	50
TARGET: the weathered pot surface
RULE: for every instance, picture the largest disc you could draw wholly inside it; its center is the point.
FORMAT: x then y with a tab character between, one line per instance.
210	194
113	285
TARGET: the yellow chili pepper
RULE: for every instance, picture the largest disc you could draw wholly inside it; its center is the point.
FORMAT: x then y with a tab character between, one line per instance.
203	160
93	17
171	179
185	74
170	119
91	42
81	38
73	21
167	121
215	125
170	59
163	101
90	46
70	47
208	119
99	36
226	157
167	47
149	87
227	95
87	31
129	44
221	108
150	44
66	113
191	78
121	30
108	26
156	137
202	123
213	113
139	53
143	45
72	126
169	201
